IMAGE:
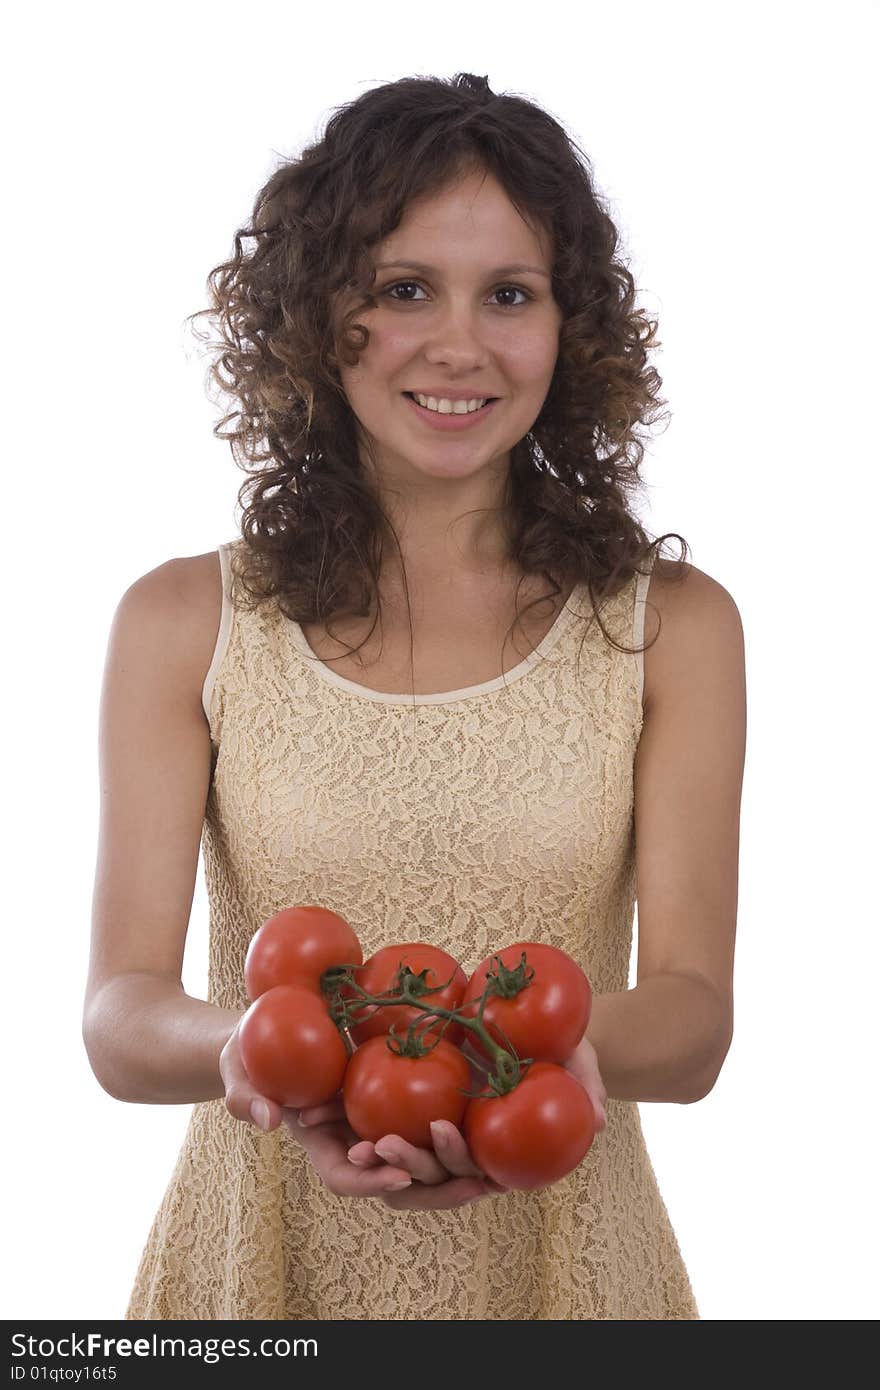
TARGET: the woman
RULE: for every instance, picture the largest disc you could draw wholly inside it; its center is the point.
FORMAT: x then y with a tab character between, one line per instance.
437	359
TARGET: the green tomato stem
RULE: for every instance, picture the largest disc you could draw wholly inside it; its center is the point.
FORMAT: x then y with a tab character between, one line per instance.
507	1065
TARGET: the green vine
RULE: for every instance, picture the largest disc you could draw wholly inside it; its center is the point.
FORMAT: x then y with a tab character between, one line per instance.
411	990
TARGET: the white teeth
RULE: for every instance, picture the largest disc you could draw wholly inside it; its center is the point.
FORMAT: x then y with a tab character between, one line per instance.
447	407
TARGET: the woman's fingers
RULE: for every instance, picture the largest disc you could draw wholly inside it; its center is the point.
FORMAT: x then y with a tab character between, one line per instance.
322	1114
450	1155
244	1103
242	1099
584	1066
327	1147
421	1163
397	1172
452	1150
364	1155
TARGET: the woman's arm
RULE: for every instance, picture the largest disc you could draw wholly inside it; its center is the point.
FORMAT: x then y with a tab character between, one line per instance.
146	1039
666	1039
150	1042
663	1040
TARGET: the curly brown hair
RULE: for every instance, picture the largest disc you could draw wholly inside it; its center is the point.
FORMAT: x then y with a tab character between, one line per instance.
313	526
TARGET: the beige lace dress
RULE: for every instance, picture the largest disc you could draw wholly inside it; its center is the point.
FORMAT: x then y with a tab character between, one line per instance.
472	818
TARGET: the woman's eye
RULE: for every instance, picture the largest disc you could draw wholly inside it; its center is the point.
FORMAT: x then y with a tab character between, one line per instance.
412	284
401	284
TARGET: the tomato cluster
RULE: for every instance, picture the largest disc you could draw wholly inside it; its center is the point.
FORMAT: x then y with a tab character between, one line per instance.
388	1033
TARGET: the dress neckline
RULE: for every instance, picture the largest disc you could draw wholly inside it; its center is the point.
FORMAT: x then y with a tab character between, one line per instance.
564	619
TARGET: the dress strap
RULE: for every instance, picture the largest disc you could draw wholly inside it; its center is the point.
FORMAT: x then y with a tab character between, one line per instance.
220	646
642	583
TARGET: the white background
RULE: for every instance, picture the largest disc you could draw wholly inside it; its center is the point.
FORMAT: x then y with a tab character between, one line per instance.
734	144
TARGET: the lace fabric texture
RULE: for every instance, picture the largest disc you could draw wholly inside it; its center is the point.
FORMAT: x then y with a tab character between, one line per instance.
472	819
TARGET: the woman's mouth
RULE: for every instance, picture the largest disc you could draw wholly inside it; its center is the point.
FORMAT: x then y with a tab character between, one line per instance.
439	420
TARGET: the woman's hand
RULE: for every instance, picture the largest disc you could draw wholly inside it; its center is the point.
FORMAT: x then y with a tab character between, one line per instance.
443	1176
584	1066
326	1144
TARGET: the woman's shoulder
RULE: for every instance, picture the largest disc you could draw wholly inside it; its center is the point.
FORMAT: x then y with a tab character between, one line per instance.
202	580
202	583
183	600
680	598
677	587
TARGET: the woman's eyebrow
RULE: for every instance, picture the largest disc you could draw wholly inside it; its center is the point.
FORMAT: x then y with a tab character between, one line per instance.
432	270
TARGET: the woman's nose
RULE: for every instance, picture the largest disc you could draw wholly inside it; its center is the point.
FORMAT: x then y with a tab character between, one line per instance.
456	335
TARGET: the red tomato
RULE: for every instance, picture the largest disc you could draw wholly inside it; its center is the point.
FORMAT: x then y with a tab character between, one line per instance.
291	1048
377	976
548	1018
295	946
535	1134
384	1093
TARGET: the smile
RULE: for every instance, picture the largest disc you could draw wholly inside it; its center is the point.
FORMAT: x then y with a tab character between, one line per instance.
450	420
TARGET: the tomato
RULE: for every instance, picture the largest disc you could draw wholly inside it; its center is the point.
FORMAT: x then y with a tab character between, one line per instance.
384	1093
295	946
291	1048
536	1133
378	975
547	1019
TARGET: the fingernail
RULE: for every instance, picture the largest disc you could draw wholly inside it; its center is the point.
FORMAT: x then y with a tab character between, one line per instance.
396	1186
260	1114
358	1162
303	1124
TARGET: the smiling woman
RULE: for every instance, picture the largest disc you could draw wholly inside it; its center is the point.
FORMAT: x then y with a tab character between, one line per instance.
454	345
433	449
514	295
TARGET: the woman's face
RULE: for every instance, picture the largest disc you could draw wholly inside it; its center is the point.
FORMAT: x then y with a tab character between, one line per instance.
466	325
